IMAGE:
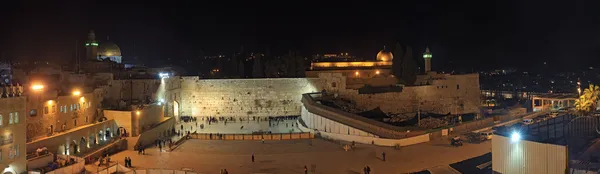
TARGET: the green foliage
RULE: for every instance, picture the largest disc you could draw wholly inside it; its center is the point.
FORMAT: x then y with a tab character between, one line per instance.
588	101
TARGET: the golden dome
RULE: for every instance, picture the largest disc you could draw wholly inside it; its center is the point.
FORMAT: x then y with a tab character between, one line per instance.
109	49
385	56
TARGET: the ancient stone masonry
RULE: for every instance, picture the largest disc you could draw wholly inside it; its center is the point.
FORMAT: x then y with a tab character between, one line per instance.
242	97
191	96
448	94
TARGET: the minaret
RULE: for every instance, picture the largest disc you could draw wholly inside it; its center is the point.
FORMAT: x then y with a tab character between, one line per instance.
427	57
91	46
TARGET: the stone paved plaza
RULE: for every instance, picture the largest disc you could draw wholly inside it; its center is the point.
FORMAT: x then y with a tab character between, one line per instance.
290	156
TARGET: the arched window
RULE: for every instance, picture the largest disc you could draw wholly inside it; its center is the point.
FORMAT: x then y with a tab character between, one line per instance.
333	84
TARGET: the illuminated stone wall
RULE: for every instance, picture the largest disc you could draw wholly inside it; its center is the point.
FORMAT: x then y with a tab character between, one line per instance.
239	97
60	113
446	94
280	97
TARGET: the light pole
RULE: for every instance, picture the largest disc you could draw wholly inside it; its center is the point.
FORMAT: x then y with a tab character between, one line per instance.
579	86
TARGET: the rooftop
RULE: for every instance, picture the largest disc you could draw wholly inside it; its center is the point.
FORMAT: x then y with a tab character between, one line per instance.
557	96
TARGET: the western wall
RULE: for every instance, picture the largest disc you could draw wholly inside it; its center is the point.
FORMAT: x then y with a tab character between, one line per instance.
242	97
282	97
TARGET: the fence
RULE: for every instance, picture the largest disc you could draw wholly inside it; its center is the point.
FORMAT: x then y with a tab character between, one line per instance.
282	136
118	168
78	167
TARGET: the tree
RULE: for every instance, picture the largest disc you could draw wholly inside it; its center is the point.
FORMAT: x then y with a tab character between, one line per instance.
257	67
409	67
588	101
397	61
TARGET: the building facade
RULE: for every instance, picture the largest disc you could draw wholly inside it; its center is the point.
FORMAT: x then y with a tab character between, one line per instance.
12	136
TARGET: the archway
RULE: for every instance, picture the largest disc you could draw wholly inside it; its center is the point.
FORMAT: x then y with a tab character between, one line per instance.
175	109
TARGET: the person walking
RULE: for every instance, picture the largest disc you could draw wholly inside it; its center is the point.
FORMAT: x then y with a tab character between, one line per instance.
368	170
305	170
383	156
365	170
126	162
252	157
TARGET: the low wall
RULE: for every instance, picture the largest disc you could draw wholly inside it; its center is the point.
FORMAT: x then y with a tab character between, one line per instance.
78	167
117	168
374	127
39	161
161	130
367	140
374	140
284	136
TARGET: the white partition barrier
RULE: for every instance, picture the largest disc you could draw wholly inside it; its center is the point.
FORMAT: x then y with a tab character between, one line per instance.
121	169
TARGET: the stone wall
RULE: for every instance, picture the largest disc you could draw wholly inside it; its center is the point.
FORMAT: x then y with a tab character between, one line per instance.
239	97
136	90
456	94
60	113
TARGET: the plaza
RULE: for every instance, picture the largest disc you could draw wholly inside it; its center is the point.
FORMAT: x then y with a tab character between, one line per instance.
290	156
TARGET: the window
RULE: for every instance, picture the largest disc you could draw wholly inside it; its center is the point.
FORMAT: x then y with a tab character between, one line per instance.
61	109
16	117
89	104
45	110
78	106
16	150
1	121
11	152
71	106
10	118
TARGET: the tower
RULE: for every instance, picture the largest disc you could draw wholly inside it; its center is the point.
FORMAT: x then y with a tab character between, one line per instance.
91	46
427	57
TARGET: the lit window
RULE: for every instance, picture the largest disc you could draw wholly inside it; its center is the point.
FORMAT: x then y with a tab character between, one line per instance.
10	118
78	106
1	121
16	150
16	117
61	109
11	152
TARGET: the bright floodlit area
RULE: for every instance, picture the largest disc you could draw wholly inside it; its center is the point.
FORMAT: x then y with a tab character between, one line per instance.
290	156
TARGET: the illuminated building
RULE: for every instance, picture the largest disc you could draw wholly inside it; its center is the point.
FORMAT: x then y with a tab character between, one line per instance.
107	50
381	67
12	140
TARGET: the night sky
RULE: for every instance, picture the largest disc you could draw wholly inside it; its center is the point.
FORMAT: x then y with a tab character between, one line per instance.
474	34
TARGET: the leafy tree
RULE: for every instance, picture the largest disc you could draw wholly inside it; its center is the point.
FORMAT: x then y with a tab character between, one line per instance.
588	101
409	67
397	61
257	67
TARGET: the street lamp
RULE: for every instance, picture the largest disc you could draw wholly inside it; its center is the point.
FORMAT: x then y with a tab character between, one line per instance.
76	93
37	87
